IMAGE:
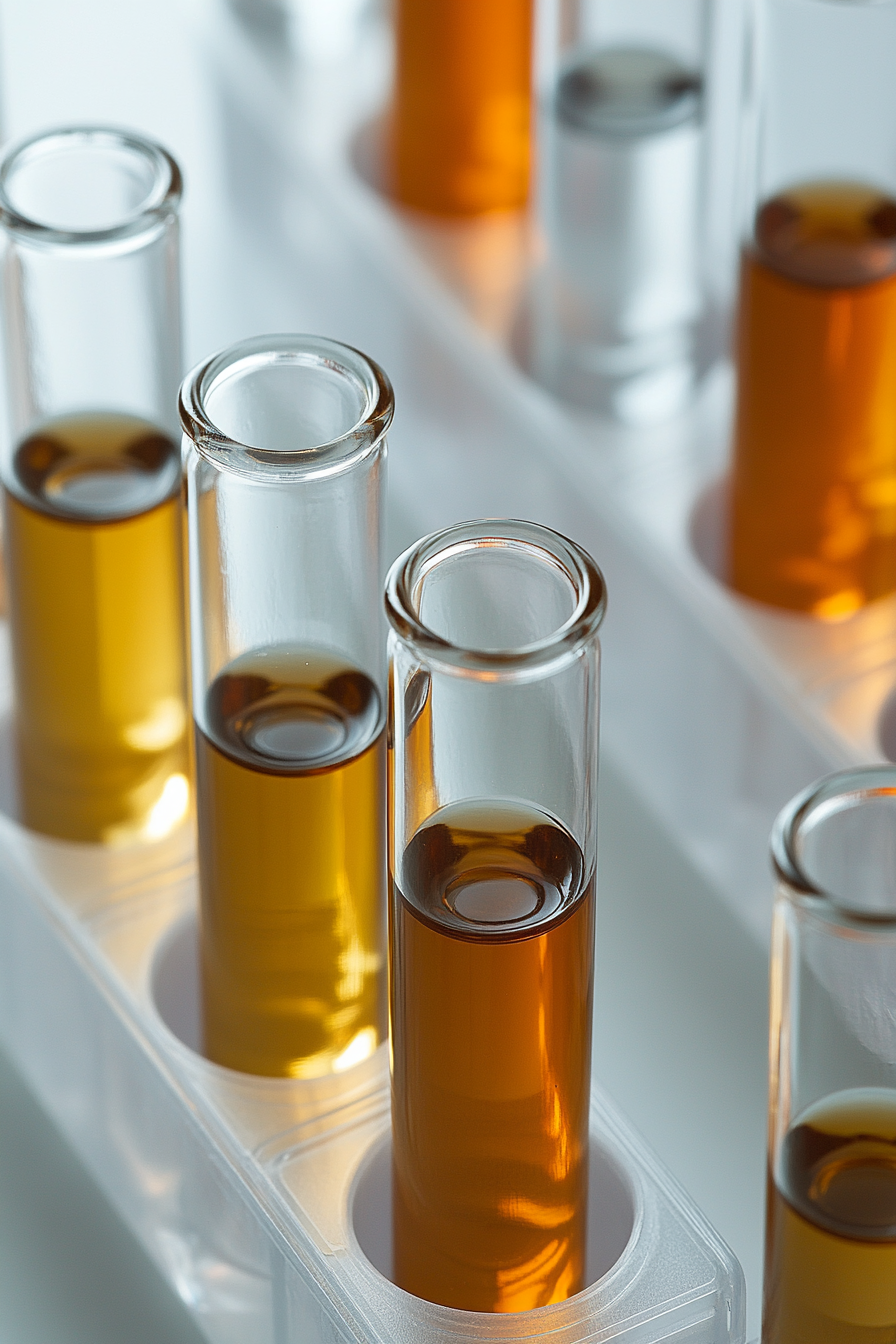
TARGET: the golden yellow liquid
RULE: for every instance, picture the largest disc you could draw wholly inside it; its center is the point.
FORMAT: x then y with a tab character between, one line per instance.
814	475
491	992
462	111
290	795
830	1270
93	554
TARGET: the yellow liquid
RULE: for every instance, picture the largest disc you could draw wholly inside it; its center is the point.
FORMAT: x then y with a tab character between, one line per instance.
290	798
491	990
830	1273
93	553
814	476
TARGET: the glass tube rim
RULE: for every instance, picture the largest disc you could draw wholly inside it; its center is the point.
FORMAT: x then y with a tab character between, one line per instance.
849	788
277	466
161	202
579	629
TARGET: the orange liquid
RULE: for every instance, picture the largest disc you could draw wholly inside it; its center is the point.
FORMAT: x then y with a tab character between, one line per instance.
291	866
830	1273
93	544
461	138
493	930
814	476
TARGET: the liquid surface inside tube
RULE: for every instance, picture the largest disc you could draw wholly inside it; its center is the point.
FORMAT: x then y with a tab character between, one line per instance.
462	107
491	1036
830	1275
93	545
813	524
290	790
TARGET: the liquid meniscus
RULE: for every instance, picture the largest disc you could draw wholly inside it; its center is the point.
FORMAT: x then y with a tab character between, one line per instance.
493	927
830	1275
290	766
93	547
627	92
814	478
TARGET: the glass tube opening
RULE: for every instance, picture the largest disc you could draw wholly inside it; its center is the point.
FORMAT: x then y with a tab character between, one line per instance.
87	185
836	844
496	593
287	406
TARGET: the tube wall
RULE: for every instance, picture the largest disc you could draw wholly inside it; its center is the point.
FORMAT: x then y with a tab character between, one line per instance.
492	832
830	1270
285	451
813	522
91	313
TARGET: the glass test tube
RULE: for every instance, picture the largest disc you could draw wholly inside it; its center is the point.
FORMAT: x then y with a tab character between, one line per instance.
623	148
813	525
492	834
91	483
285	455
462	105
830	1271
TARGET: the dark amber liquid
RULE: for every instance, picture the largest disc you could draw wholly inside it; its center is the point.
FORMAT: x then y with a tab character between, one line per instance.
93	546
814	480
830	1271
290	785
493	930
462	104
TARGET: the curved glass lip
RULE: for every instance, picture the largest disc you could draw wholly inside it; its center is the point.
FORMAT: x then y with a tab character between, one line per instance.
834	792
546	546
313	463
160	203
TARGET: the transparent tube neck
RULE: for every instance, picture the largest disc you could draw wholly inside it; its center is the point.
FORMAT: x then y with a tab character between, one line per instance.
495	597
87	185
287	407
834	846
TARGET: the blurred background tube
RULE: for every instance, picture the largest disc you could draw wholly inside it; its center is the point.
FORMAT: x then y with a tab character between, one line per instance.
813	521
91	483
461	115
285	456
622	166
830	1267
492	834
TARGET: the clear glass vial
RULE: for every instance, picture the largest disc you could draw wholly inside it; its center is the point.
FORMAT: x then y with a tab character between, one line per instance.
622	131
492	834
285	451
813	522
91	483
830	1272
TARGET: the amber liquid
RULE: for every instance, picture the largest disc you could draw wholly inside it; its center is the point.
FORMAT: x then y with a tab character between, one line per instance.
814	479
93	553
491	991
830	1272
462	104
290	792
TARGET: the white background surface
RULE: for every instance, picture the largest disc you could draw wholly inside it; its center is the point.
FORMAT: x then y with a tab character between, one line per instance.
681	990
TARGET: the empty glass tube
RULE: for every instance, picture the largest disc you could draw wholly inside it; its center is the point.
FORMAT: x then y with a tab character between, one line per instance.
285	458
462	105
492	833
91	483
813	524
622	150
830	1269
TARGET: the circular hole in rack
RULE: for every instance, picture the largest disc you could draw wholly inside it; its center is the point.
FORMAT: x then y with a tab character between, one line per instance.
611	1211
174	982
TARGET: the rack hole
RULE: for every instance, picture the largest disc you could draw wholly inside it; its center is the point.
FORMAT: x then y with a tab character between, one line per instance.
611	1211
